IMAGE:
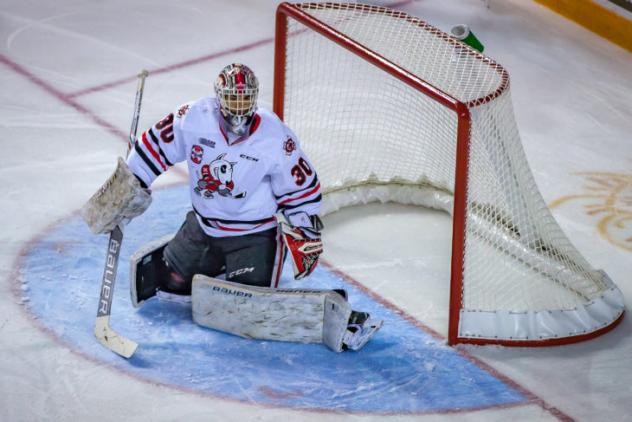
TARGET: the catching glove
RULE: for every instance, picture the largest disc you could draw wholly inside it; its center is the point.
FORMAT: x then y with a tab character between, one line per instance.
303	243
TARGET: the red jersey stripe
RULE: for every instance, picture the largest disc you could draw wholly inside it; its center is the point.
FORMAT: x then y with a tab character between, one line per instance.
306	194
255	124
231	229
153	152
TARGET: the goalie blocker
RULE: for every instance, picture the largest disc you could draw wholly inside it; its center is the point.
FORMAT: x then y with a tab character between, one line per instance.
296	315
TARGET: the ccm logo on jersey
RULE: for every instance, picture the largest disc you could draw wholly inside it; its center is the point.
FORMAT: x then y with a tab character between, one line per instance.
248	157
240	271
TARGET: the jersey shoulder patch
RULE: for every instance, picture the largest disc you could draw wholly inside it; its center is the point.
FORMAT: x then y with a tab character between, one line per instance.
184	108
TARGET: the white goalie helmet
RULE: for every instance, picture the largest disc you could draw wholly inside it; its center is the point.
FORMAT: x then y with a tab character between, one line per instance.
236	89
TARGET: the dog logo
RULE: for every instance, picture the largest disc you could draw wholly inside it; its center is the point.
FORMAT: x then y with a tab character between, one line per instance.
217	178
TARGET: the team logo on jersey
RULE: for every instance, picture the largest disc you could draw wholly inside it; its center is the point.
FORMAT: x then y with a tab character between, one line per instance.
216	177
289	146
197	153
183	110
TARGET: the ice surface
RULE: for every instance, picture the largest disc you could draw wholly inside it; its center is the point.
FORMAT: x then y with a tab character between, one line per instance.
571	92
175	351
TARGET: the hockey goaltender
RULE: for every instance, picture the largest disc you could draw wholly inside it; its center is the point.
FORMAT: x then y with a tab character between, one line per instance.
254	193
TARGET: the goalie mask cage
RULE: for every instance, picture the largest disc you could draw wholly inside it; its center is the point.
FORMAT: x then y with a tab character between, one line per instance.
389	108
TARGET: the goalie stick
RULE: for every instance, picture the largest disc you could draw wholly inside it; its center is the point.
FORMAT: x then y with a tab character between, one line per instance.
102	331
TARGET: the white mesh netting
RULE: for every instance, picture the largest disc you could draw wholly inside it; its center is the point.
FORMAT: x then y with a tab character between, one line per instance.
363	127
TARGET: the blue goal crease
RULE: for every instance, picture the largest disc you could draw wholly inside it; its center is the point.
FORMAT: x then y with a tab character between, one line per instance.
402	370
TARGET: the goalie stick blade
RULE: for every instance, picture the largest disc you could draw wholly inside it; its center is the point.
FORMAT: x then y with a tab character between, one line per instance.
109	338
102	331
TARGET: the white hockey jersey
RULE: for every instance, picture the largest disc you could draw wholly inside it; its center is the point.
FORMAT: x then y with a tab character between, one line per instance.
236	187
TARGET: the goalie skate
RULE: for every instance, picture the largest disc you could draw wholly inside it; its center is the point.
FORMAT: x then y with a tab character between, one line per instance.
360	330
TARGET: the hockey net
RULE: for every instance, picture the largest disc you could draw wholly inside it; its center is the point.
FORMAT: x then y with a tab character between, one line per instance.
389	108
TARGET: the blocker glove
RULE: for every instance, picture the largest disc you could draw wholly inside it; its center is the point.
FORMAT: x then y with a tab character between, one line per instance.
301	236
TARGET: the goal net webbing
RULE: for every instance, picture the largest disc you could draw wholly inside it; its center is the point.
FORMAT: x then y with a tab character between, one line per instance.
379	101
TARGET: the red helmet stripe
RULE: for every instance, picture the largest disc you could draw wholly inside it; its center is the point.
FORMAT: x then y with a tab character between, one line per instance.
240	79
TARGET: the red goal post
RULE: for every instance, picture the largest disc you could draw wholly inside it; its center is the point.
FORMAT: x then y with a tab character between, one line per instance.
341	52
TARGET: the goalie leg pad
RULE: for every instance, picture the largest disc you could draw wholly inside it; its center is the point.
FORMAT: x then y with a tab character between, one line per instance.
120	198
146	267
335	319
297	315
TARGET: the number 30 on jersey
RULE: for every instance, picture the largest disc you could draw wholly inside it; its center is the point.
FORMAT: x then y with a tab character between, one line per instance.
301	171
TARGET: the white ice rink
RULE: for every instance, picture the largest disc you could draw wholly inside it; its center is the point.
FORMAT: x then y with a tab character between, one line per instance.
67	78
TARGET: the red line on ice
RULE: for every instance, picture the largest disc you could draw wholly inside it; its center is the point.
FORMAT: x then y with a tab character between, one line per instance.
172	67
195	61
390	305
64	98
61	96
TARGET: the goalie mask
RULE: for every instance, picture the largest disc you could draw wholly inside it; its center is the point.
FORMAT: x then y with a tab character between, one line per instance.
236	88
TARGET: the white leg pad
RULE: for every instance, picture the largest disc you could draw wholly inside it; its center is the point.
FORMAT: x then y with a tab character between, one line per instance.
296	315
